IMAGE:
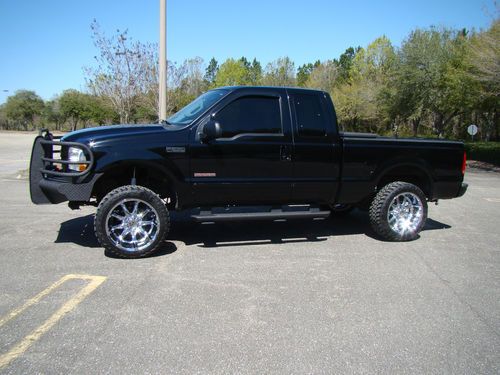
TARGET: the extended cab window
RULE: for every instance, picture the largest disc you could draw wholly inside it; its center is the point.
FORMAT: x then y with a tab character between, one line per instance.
251	114
311	119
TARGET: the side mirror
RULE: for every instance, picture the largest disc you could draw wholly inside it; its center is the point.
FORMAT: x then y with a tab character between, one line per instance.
211	130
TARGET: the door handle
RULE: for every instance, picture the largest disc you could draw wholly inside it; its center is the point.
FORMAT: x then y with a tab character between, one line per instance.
285	154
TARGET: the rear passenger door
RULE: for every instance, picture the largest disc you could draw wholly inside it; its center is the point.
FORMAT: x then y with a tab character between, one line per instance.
250	163
316	155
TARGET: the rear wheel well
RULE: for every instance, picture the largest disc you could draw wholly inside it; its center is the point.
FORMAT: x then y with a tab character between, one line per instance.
144	176
409	174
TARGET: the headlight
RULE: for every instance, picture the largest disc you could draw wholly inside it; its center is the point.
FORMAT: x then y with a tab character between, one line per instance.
76	154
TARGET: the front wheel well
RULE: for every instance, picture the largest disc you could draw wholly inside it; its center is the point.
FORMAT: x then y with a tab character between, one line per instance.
144	176
410	174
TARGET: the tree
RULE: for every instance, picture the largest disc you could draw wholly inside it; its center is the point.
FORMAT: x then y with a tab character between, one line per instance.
185	82
323	76
124	71
22	107
99	112
345	62
371	70
431	77
483	57
245	62
211	71
74	106
255	72
52	114
349	105
4	122
147	104
280	72
192	82
304	71
375	62
232	73
79	107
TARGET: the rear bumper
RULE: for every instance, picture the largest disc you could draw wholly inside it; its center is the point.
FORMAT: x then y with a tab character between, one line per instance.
463	189
50	185
448	190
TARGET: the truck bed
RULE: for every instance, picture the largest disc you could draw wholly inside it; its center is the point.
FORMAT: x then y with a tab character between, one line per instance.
367	157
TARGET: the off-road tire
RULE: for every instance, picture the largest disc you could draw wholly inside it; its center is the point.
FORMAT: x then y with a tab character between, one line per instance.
380	206
130	192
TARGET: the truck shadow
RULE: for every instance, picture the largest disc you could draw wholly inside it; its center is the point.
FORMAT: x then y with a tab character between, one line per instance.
264	232
80	231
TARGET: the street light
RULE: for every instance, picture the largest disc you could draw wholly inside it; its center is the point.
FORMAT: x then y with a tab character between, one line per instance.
163	62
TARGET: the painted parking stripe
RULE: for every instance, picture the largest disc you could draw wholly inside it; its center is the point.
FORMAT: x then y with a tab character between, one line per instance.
35	299
68	306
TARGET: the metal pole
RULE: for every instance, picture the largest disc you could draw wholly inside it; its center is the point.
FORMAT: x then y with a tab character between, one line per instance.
163	62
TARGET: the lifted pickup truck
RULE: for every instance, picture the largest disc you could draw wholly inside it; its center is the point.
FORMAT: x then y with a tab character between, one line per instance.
236	148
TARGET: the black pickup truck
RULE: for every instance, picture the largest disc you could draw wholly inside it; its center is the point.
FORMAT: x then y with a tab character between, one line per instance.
237	148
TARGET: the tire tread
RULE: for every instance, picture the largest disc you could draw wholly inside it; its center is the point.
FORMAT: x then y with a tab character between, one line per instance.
102	238
378	215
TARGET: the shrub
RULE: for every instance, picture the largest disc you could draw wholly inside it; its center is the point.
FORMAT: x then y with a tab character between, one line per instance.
484	151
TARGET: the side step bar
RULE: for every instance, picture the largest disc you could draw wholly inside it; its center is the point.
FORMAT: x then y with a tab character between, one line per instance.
273	214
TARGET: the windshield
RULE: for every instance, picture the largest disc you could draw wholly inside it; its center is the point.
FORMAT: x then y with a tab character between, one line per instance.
194	109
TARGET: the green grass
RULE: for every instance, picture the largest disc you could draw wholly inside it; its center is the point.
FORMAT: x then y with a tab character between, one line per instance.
484	151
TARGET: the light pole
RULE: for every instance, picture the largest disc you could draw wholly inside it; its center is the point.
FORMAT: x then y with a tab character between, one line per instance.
163	62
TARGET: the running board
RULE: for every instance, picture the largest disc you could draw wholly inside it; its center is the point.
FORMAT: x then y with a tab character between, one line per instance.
273	214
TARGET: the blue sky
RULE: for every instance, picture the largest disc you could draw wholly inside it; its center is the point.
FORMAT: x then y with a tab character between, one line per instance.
45	44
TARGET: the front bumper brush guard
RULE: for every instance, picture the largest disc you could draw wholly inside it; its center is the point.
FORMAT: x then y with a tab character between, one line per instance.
43	170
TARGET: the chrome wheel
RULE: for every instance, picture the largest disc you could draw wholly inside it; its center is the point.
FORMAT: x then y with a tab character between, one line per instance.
132	225
405	213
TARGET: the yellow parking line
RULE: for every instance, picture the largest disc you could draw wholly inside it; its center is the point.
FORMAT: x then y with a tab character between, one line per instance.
25	343
33	300
40	295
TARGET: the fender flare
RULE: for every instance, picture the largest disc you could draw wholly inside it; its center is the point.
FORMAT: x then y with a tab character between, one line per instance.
162	171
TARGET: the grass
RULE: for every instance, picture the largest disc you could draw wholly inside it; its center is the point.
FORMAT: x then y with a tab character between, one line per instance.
484	151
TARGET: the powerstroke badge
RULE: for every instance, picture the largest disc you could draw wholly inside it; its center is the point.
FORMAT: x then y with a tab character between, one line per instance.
205	174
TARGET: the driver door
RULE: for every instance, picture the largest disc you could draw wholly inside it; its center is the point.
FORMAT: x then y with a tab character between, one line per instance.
250	162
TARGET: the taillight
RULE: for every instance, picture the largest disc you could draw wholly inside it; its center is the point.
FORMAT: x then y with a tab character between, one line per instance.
464	163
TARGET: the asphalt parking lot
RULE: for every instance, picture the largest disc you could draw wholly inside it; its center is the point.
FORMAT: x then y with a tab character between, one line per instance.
297	297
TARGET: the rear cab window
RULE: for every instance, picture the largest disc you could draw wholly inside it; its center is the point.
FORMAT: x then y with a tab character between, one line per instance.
311	118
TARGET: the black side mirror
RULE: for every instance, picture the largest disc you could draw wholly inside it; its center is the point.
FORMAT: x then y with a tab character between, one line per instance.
211	130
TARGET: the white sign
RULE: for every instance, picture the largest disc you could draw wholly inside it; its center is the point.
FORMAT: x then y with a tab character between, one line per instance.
472	129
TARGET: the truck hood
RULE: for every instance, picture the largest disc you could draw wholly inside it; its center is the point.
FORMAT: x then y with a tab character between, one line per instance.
115	132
